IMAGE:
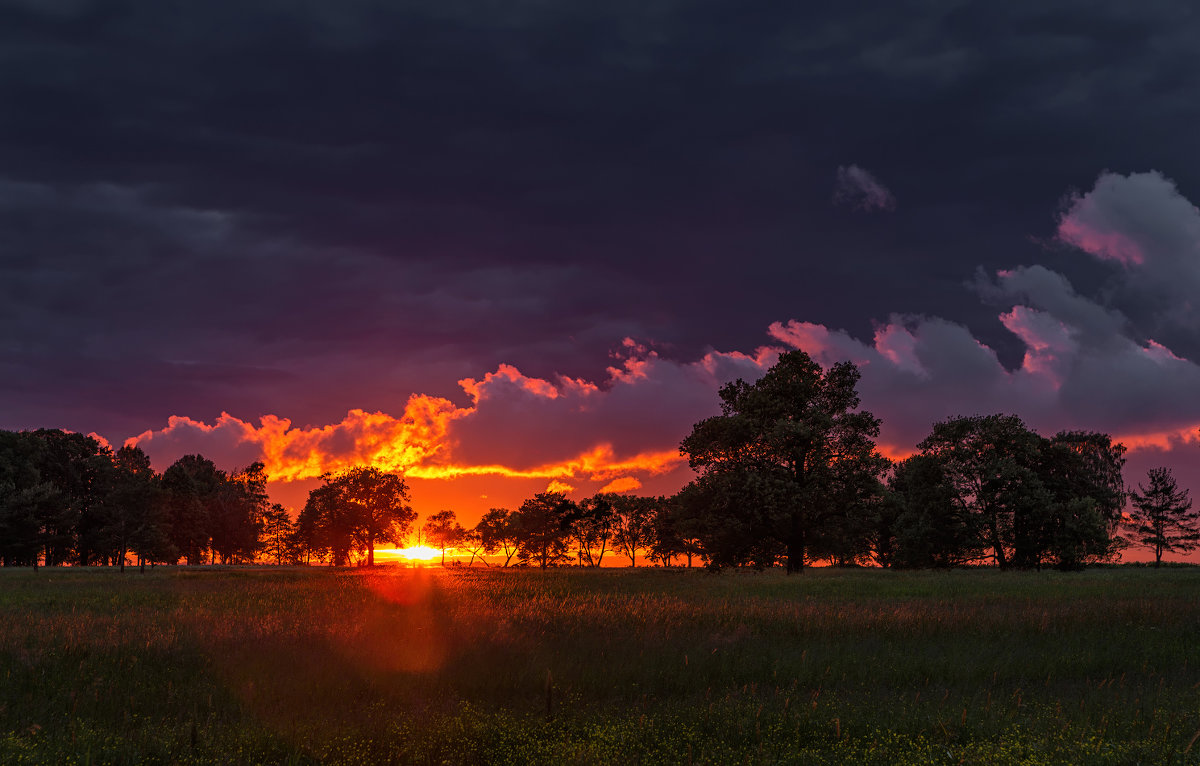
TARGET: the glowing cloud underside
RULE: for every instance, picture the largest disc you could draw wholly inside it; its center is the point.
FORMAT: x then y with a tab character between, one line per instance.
515	427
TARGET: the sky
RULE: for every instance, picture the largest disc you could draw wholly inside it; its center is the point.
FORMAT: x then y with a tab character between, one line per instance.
505	247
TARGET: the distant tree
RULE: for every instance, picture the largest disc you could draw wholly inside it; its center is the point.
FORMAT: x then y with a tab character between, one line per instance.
1162	518
497	533
237	514
1082	475
669	532
592	527
542	529
442	531
323	527
374	508
1030	500
729	535
28	504
130	513
930	528
859	529
277	532
80	468
192	486
778	464
635	525
472	541
991	464
675	532
667	542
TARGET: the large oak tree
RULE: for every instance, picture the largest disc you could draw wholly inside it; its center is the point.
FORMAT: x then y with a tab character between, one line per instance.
788	459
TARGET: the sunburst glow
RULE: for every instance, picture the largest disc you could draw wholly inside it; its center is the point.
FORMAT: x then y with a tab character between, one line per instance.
418	553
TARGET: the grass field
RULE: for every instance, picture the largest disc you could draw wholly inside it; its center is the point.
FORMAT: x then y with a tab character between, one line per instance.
647	666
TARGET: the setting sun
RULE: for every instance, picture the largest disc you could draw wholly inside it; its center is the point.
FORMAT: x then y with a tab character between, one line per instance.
416	553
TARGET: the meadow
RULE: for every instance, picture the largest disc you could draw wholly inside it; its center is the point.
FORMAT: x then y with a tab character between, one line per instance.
650	666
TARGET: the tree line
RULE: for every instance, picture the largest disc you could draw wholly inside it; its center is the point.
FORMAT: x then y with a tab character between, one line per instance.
787	474
66	498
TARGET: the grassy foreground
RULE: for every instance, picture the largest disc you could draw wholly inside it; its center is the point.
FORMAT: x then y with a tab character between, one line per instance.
651	666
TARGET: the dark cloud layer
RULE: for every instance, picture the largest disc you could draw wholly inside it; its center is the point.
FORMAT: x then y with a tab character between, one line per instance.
302	208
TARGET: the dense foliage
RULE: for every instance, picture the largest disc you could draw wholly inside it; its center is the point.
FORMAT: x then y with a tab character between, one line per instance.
68	498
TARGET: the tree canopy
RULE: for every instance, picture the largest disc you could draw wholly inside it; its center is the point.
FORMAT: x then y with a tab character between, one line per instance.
789	459
355	510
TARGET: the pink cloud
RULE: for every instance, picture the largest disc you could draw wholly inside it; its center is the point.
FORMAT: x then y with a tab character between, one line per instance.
1079	228
1139	220
1049	343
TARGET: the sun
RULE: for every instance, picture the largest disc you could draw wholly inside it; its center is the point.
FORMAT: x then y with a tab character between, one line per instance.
418	553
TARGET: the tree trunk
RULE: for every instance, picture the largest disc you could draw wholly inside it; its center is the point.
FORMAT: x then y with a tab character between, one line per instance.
997	546
795	556
797	546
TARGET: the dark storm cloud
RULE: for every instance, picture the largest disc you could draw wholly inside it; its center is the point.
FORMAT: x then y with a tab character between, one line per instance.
320	205
856	187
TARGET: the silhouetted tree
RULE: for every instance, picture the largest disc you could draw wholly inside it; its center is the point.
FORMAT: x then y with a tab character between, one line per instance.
676	532
773	464
497	533
635	525
277	532
80	468
443	531
542	528
931	529
192	485
28	504
1162	518
1082	474
1031	500
991	463
235	518
323	527
857	530
472	540
375	504
131	513
592	527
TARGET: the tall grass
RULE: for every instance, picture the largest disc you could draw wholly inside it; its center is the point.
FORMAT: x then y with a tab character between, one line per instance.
647	666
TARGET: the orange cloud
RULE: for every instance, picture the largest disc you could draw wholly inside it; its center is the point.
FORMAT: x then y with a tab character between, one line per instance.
292	454
623	484
1161	440
516	427
559	486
